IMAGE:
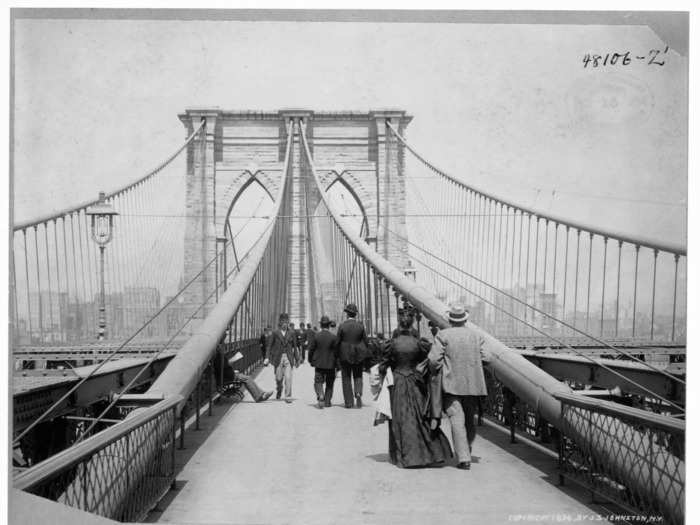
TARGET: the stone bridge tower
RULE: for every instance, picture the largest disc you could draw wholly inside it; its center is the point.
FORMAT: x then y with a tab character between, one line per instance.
240	148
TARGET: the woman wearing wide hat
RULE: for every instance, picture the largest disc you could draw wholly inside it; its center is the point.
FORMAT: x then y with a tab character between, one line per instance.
352	352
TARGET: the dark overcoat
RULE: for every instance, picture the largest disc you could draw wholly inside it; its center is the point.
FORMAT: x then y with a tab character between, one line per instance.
323	350
352	342
282	344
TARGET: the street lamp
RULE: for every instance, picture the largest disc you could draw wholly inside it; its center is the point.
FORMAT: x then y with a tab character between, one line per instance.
410	272
102	227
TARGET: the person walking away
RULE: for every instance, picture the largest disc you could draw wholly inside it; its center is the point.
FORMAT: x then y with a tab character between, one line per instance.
323	356
352	352
301	341
309	335
412	442
457	352
295	336
283	356
265	340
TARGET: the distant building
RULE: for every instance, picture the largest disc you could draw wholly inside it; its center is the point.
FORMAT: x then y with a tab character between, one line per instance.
47	316
140	304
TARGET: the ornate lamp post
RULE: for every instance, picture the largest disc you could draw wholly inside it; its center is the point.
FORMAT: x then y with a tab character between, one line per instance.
410	272
102	227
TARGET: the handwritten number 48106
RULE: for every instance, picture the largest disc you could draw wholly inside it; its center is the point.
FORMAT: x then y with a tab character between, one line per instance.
655	57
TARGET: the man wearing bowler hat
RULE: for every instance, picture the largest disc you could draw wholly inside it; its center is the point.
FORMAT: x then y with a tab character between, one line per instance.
323	357
457	353
283	356
352	352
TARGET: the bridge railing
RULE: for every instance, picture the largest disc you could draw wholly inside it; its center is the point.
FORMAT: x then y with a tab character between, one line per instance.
594	281
659	440
253	298
625	452
119	473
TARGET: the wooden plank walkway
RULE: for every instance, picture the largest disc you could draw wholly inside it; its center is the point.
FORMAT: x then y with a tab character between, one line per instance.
282	463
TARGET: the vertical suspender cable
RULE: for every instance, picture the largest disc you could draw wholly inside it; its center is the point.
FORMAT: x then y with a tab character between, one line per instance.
527	266
675	288
26	273
48	274
588	294
617	300
38	284
14	288
653	294
602	299
554	266
578	243
566	273
634	299
534	283
61	322
82	262
88	251
546	250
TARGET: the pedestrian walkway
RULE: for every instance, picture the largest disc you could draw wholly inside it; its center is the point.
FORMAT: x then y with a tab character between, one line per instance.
277	463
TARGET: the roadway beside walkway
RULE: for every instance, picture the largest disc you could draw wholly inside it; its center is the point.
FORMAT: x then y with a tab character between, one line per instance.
275	462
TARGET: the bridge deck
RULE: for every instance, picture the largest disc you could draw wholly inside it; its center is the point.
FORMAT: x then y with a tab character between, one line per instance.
277	463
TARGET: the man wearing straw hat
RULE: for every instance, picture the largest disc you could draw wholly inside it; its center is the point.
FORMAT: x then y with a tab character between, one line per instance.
456	352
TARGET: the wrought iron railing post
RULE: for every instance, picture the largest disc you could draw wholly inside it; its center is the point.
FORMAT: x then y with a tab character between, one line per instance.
561	448
197	396
173	482
210	377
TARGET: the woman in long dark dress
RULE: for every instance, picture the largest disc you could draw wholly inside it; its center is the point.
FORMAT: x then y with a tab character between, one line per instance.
411	441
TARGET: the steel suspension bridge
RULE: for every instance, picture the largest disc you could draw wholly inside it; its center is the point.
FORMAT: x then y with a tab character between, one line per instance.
301	212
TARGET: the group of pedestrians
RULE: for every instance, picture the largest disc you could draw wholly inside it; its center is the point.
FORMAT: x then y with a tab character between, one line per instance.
426	379
423	379
348	351
328	351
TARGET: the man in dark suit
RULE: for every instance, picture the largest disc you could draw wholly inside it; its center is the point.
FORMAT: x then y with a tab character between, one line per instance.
282	353
323	348
352	352
309	335
265	339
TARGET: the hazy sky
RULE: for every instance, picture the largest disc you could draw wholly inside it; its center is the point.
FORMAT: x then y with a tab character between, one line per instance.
507	108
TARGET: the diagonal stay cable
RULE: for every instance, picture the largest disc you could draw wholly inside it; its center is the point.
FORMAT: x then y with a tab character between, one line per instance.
354	264
581	354
110	356
155	356
542	312
271	223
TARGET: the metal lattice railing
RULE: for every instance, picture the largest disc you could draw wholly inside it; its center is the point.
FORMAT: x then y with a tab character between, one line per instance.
535	402
504	407
119	473
659	440
105	474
